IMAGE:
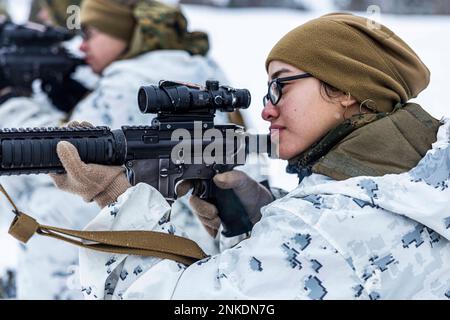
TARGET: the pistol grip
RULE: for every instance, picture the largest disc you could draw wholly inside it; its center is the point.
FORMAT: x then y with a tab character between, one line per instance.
235	220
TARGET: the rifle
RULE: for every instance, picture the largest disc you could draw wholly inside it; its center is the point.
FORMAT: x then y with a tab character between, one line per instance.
33	51
182	143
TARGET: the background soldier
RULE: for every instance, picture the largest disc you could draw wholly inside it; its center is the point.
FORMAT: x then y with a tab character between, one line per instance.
129	44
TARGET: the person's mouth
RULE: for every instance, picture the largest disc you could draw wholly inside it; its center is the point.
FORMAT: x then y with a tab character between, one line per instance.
276	127
275	130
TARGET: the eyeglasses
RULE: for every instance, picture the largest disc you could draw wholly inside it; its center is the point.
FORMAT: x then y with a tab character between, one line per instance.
87	33
275	88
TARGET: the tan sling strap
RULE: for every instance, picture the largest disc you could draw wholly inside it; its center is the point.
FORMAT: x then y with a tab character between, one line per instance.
141	243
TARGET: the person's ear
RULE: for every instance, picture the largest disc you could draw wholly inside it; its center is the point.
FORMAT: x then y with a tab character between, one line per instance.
347	100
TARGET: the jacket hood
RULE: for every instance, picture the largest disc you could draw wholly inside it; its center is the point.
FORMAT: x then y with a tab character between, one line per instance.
159	65
173	65
160	26
421	194
151	67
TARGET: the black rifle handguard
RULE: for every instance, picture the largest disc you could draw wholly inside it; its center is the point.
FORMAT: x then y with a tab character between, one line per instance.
33	151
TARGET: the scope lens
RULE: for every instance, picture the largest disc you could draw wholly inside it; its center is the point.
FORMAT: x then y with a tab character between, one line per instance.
245	98
147	97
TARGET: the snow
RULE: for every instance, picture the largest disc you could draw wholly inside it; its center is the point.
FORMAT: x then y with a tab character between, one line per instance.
19	10
9	247
241	40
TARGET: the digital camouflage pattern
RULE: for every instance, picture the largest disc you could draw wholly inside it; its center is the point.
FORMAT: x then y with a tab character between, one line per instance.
366	237
162	26
47	268
8	285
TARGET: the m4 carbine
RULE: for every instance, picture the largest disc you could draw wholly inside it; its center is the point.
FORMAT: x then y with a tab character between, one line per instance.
33	51
182	143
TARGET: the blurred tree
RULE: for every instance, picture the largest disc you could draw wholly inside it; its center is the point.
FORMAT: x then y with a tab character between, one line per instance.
267	3
297	4
398	6
220	3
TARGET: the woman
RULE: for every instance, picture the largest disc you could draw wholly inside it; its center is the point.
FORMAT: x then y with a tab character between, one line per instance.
369	219
120	46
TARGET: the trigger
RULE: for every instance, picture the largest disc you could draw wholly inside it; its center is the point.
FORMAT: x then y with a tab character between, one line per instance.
200	189
130	175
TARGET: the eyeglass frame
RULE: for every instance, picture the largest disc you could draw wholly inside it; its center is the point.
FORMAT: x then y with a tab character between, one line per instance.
87	33
280	84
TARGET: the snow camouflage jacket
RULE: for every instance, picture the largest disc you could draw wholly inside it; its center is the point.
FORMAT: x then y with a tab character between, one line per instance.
46	266
382	237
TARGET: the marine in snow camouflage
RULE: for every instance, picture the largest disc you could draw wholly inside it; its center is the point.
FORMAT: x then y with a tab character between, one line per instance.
385	237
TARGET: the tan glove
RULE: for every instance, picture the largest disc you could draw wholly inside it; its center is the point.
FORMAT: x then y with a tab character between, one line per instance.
206	212
252	195
93	182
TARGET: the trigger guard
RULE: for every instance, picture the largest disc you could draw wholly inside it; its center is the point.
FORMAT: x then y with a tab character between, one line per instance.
176	187
200	187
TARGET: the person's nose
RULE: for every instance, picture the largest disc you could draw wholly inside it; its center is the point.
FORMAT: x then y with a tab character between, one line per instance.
84	46
270	112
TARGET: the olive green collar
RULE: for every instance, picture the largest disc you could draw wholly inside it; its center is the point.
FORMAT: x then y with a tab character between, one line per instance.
370	144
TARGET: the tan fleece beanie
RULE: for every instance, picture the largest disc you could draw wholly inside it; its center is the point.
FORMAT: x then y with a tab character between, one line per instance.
110	17
355	55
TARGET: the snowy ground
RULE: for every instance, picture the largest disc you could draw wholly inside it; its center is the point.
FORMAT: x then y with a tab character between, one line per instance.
242	38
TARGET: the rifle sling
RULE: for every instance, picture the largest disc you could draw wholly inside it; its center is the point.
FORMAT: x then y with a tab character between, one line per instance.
141	243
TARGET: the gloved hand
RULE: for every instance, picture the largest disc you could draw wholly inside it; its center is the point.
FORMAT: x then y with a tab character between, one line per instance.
64	95
6	93
252	195
93	182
